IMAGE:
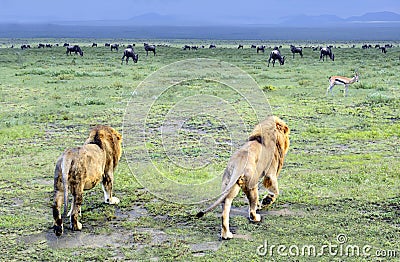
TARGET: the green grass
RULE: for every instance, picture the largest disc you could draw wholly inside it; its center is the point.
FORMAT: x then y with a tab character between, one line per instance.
341	175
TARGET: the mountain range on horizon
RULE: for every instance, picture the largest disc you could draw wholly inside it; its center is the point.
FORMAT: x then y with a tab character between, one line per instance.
370	26
301	20
156	19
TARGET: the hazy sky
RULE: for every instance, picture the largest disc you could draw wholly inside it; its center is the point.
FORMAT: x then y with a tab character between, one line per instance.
250	11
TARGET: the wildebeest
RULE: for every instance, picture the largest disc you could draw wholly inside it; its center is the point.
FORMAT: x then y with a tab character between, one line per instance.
383	49
148	48
186	47
129	52
276	55
114	46
294	50
326	51
49	45
94	45
253	46
194	47
261	48
25	46
240	47
75	49
41	45
212	46
107	44
65	44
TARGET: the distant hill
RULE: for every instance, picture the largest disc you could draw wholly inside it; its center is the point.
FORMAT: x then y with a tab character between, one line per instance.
376	17
332	20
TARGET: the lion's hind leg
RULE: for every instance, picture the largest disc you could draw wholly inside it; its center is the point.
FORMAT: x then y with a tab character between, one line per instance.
58	200
107	186
226	208
72	208
270	182
77	194
58	223
252	196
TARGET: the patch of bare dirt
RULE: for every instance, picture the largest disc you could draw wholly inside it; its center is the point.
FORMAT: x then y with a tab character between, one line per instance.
199	249
78	239
283	210
135	213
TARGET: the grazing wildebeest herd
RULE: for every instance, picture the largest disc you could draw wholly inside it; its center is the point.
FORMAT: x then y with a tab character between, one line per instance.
275	54
325	52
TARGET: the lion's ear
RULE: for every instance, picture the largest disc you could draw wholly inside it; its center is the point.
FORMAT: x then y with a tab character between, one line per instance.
99	134
257	138
98	138
118	135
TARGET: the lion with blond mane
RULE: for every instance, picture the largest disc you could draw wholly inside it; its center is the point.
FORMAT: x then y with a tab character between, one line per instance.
261	157
82	168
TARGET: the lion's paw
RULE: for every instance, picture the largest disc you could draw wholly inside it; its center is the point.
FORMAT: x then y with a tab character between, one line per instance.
226	236
268	200
114	201
58	230
255	218
78	226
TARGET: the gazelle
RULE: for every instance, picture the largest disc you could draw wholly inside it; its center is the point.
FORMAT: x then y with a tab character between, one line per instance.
341	80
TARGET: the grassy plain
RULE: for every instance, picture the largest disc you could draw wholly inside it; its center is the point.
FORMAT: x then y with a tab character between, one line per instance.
341	178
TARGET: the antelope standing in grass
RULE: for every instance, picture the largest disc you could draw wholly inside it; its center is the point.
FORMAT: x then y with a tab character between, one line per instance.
341	80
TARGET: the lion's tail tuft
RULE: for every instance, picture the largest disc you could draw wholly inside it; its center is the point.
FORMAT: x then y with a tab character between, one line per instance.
200	214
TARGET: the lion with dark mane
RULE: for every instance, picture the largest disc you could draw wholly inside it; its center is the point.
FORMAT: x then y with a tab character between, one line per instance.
82	168
261	157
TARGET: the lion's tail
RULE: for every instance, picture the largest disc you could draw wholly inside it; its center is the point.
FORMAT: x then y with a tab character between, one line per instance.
65	167
214	205
232	182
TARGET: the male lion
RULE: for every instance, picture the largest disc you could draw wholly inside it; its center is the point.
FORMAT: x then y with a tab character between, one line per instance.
82	168
261	156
